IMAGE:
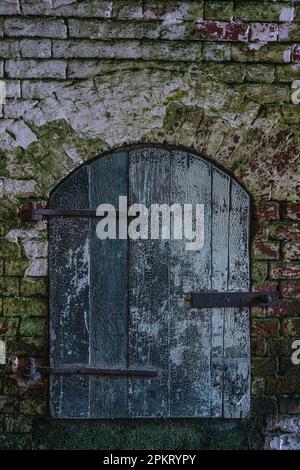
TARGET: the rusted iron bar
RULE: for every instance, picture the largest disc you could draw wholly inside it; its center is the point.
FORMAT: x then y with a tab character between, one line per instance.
72	370
233	299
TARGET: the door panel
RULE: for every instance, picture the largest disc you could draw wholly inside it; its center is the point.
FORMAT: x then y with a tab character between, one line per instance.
121	303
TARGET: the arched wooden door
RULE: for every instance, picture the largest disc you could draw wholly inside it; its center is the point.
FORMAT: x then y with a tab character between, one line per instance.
119	306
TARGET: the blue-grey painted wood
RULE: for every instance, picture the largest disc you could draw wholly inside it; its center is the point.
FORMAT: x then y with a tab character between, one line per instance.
190	329
108	291
203	354
236	327
69	296
220	199
149	291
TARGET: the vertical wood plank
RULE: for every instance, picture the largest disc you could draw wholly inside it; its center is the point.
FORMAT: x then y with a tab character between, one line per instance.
190	329
69	296
108	292
149	182
236	329
219	245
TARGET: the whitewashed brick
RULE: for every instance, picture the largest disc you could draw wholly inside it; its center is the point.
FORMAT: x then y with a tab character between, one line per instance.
27	68
9	49
40	89
264	32
13	88
40	48
31	27
15	108
158	50
9	7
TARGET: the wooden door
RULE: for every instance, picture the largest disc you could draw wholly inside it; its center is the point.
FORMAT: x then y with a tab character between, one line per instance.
121	304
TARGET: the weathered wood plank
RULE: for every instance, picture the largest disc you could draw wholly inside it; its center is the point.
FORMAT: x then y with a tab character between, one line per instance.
108	292
236	328
69	296
149	294
190	329
219	247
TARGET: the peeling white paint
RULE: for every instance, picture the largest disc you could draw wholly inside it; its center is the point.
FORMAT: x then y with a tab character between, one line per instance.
287	14
2	352
287	55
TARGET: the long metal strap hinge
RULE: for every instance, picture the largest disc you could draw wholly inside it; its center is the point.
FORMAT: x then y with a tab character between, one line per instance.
233	299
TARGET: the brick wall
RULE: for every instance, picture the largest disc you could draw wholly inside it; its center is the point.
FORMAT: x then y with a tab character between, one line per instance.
83	77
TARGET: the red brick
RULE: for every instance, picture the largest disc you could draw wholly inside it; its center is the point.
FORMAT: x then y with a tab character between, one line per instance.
268	211
291	250
265	286
264	405
221	31
284	309
290	327
283	385
286	367
285	271
290	290
289	405
265	327
264	366
279	347
266	250
258	347
295	57
292	211
285	231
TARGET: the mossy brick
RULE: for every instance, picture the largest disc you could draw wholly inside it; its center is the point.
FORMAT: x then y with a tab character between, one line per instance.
32	286
268	211
9	286
292	211
283	309
29	346
277	53
15	267
258	347
33	327
291	114
9	328
9	249
285	231
289	405
218	10
287	73
287	367
283	385
264	405
180	11
258	386
216	52
264	366
291	250
18	441
287	270
290	327
259	270
290	290
266	250
264	11
24	307
32	407
259	73
265	327
265	93
17	424
279	347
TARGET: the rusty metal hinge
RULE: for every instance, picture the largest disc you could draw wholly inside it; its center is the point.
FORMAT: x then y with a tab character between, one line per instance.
233	299
81	370
35	212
